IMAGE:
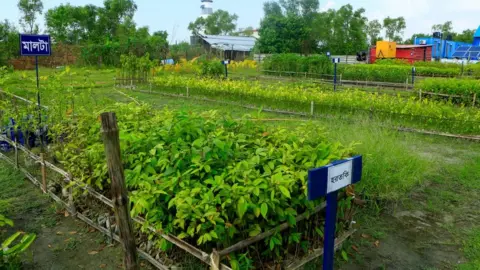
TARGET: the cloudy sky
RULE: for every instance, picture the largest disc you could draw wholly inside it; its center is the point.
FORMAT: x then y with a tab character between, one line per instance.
175	15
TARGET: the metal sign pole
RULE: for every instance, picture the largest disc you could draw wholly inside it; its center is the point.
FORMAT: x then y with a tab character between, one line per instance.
330	222
326	182
335	77
38	103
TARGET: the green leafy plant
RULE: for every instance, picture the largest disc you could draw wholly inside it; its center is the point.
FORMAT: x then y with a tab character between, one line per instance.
13	246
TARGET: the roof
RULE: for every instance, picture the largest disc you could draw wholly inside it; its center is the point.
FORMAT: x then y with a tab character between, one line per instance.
477	34
409	46
243	44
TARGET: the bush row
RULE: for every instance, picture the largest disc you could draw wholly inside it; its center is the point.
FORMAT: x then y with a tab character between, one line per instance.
296	63
450	86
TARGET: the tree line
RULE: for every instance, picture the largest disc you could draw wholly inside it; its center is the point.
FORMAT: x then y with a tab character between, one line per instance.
288	26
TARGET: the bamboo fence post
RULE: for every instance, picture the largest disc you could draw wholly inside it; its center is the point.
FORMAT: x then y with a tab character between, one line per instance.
16	153
474	99
215	260
312	108
188	92
131	84
120	199
150	87
44	173
109	228
420	95
406	85
71	203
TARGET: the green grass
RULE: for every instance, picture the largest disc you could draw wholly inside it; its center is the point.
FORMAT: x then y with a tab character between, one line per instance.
472	251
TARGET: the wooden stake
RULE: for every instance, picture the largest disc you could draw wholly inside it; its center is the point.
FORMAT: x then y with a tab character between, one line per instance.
150	87
420	94
120	199
109	228
71	203
406	85
16	153
311	108
44	173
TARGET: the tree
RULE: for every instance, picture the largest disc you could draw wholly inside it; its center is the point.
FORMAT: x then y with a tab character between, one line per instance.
29	10
445	29
373	31
394	28
113	14
465	36
218	23
9	41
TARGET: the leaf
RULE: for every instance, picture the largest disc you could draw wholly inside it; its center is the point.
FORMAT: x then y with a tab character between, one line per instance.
366	236
355	248
93	252
256	211
264	210
376	243
102	265
284	191
345	255
242	207
9	240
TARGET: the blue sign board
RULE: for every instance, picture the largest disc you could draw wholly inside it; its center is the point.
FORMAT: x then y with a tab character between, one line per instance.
35	45
336	60
333	177
326	181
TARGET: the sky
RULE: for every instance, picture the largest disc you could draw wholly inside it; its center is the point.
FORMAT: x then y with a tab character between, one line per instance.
174	16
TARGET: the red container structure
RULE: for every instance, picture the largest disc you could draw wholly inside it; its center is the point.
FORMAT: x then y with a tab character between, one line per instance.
411	53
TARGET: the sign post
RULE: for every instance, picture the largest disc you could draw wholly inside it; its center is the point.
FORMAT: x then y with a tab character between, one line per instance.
36	45
226	63
414	70
335	61
327	181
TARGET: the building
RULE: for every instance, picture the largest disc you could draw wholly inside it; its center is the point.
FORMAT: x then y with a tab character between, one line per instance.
206	8
476	38
228	47
410	53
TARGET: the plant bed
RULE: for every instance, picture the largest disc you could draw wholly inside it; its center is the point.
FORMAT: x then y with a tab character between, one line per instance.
207	179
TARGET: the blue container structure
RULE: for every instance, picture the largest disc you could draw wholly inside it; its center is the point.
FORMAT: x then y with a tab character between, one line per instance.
440	48
452	49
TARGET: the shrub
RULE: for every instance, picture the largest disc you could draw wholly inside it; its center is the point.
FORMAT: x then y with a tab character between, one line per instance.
211	69
296	63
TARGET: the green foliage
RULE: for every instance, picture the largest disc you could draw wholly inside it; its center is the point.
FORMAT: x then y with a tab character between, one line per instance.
13	246
211	69
219	22
318	64
450	86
